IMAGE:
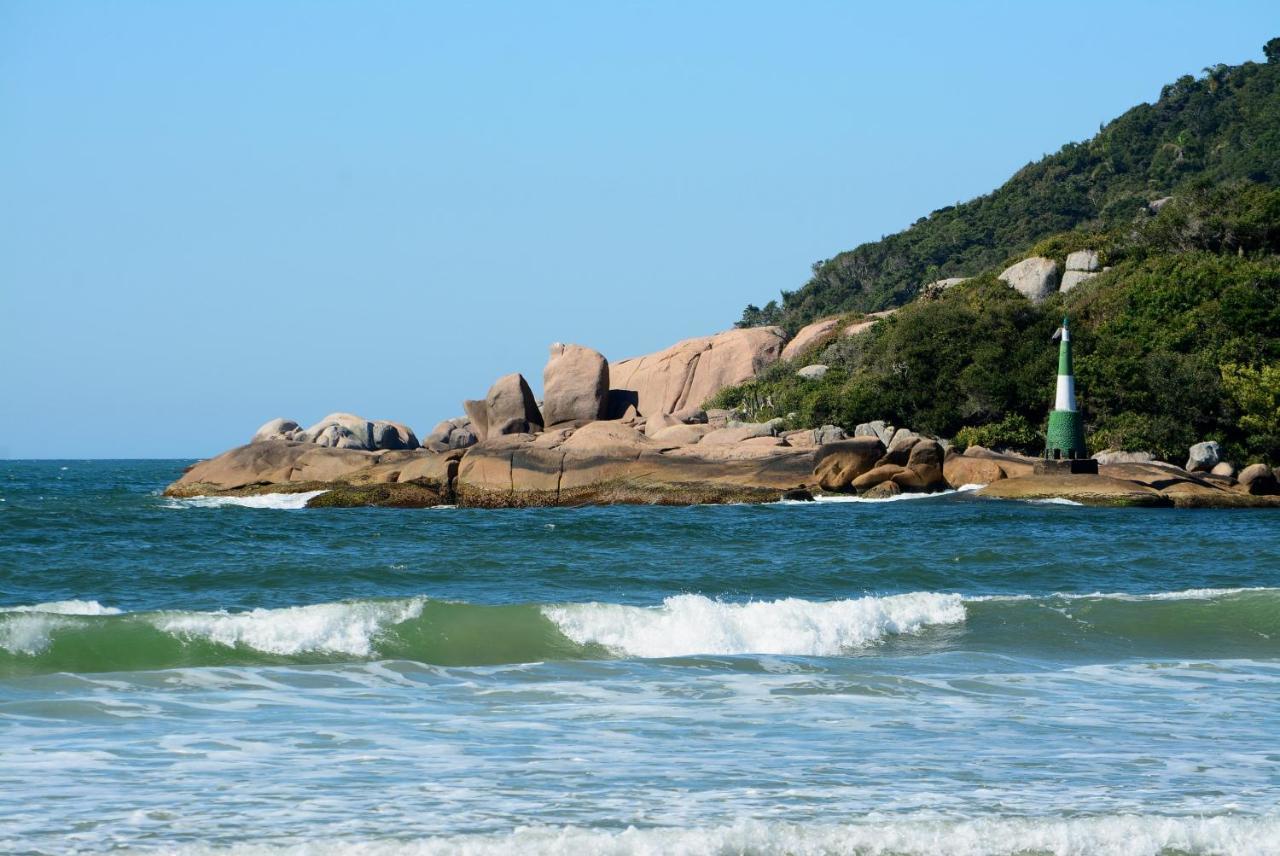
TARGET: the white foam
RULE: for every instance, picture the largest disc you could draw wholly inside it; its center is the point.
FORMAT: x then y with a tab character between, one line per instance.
1113	835
343	628
1055	500
66	607
29	629
286	501
693	624
1185	594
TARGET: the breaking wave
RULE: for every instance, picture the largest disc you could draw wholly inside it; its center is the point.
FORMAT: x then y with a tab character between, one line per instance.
85	636
692	624
284	501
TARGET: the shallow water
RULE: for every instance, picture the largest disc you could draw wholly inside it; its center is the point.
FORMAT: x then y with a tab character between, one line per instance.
936	675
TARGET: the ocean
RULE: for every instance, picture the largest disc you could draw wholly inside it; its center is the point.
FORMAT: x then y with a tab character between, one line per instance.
927	675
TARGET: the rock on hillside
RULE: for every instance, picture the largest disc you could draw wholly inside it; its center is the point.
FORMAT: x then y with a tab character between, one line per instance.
809	336
1034	278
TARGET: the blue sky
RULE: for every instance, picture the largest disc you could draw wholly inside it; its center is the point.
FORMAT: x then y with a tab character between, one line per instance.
218	213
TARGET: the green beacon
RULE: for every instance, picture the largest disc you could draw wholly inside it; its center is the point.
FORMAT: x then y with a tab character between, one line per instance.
1064	442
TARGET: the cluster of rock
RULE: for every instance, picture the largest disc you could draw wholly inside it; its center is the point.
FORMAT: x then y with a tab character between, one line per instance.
1257	479
637	422
1037	277
908	463
342	431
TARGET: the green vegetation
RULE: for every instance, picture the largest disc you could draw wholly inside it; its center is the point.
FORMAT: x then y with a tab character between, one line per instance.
1219	129
1178	342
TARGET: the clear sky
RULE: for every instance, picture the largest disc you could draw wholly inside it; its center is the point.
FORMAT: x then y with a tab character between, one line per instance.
214	213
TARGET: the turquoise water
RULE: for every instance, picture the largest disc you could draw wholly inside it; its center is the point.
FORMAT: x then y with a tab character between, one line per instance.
940	675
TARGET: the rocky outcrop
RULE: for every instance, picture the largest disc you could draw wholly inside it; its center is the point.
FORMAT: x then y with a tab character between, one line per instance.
1084	489
691	372
1151	484
283	462
809	336
1034	278
610	461
1203	457
510	407
575	385
813	372
838	464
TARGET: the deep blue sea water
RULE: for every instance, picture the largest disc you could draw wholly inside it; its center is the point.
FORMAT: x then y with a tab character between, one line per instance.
939	675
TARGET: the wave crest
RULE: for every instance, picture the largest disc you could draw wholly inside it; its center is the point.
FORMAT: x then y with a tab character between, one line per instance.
692	624
337	628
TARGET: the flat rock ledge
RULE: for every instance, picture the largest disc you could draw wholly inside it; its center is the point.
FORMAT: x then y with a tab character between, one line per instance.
510	471
611	463
1128	485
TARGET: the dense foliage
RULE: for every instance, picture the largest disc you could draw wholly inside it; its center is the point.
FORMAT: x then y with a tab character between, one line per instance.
1221	128
1177	342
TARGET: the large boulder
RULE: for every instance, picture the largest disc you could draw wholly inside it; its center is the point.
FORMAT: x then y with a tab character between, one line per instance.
839	463
1259	480
924	468
898	449
392	435
1085	261
1034	278
510	407
816	371
961	470
456	433
1225	469
342	431
690	372
575	385
876	475
1203	457
809	336
280	429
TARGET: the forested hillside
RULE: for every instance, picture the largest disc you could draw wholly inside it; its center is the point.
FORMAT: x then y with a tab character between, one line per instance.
1221	128
1177	342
